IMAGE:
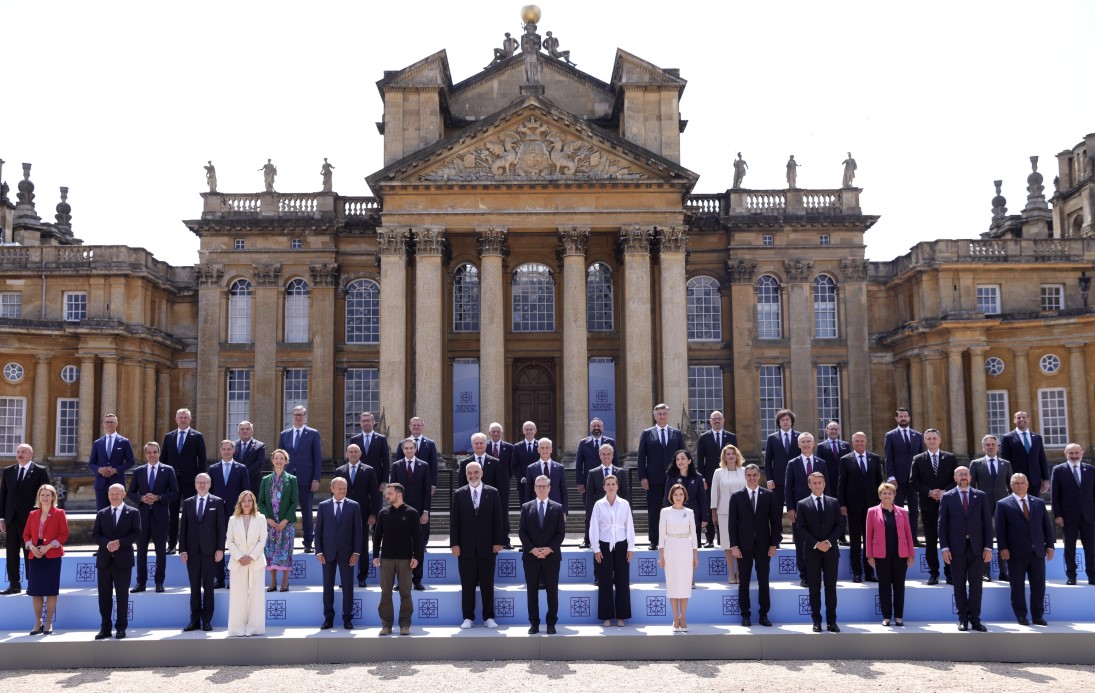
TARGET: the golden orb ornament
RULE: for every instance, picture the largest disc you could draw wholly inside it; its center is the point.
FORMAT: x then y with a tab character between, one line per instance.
530	14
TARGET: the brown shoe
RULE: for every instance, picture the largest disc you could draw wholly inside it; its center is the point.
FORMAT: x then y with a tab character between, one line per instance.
404	630
385	630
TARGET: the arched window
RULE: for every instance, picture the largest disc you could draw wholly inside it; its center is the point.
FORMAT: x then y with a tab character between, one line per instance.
465	299
239	312
704	315
533	299
824	307
363	312
599	298
296	311
769	319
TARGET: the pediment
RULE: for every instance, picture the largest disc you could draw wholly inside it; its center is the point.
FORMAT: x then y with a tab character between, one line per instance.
630	69
431	71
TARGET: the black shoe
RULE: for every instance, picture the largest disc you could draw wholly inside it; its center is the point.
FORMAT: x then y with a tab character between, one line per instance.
583	545
159	588
533	630
361	582
918	544
950	581
418	586
193	625
120	634
171	551
745	621
963	626
542	585
348	625
14	589
817	627
551	630
1039	621
833	628
871	578
102	635
709	545
1004	577
218	585
765	622
803	583
138	588
1091	581
933	580
842	542
207	627
1022	620
507	546
986	578
857	578
653	547
979	627
327	623
38	631
1070	581
309	549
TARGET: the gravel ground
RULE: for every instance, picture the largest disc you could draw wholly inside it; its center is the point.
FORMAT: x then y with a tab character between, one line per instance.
793	676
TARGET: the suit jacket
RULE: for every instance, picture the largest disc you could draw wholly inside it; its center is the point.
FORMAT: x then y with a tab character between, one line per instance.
981	479
955	524
776	456
875	546
17	499
796	484
364	489
493	473
1025	540
655	458
534	536
166	487
190	462
120	457
338	541
1075	503
1033	464
506	457
379	456
595	484
522	458
824	450
924	480
588	457
855	491
290	498
240	542
693	487
416	487
204	536
899	455
306	458
427	452
127	532
750	530
56	528
238	482
476	532
827	526
557	475
255	461
709	452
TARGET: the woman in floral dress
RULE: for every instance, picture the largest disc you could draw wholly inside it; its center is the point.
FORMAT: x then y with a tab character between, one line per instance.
278	499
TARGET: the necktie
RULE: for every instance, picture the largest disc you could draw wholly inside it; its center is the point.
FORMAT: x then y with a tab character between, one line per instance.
935	464
543	510
246	448
718	439
1076	471
496	449
820	508
836	451
1026	510
22	473
665	443
965	502
201	507
479	460
353	473
786	441
596	443
753	500
528	445
905	435
809	466
410	469
338	512
1026	441
992	469
117	512
545	468
226	469
151	479
296	438
180	439
607	470
417	444
368	439
109	445
475	498
863	465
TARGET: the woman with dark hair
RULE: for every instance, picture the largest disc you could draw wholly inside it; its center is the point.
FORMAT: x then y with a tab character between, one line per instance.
683	472
678	554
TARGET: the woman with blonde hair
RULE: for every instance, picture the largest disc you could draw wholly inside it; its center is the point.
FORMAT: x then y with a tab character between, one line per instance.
729	477
246	546
889	550
278	500
44	536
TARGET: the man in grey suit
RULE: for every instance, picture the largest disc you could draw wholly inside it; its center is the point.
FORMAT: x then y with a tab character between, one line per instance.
990	474
251	453
338	547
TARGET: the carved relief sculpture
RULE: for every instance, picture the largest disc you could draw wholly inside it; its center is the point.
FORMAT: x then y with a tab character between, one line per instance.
741	271
798	270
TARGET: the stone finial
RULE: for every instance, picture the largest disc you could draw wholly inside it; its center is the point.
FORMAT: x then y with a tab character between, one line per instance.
324	274
26	188
1036	198
798	270
635	239
575	239
741	271
392	241
4	189
492	240
64	210
674	239
999	204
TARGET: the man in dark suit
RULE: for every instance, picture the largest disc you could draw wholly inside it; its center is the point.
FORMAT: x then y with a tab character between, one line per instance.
414	475
525	453
111	456
201	547
153	487
595	478
1073	494
965	530
1023	448
362	488
339	539
1025	536
819	520
780	447
831	450
708	457
857	490
425	449
503	452
251	453
553	470
116	528
755	529
374	452
796	486
586	458
475	538
229	479
658	445
184	451
542	530
901	445
306	462
932	473
991	474
18	492
491	472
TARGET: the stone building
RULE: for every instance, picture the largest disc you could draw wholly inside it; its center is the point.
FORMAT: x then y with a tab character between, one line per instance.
534	249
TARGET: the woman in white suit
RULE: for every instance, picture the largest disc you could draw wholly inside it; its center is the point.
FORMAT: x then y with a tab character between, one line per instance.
246	545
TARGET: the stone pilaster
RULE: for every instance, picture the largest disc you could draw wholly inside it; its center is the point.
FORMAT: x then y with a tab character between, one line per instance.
743	332
40	418
392	247
1080	426
147	430
673	305
210	330
978	395
799	331
165	415
108	396
858	393
429	243
85	434
638	361
933	398
321	312
956	401
492	326
575	240
916	402
265	413
1022	401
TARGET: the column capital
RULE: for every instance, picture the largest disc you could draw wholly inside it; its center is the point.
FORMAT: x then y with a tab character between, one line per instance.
674	239
635	239
575	239
492	240
1020	351
797	269
854	270
742	271
1074	347
209	275
324	275
429	240
266	274
391	241
43	358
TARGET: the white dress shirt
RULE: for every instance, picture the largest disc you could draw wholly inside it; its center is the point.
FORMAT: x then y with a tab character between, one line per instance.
611	523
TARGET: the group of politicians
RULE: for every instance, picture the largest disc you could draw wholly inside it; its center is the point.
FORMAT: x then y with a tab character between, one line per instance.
233	519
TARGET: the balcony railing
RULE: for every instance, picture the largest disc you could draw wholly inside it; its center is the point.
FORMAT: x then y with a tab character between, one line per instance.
776	202
287	205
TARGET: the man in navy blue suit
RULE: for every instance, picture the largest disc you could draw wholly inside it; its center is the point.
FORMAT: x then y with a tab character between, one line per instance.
992	474
153	487
230	479
374	451
796	486
709	456
820	523
306	463
1073	494
525	452
902	445
111	456
932	474
414	475
1025	536
503	452
362	488
554	471
965	531
780	447
542	530
116	527
586	458
251	453
425	449
1023	448
201	547
339	537
755	529
658	445
857	490
831	449
184	451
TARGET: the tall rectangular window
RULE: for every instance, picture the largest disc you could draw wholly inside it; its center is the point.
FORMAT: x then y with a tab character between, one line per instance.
75	306
1053	415
997	404
68	421
13	424
295	393
828	397
704	394
771	398
988	299
11	304
1053	297
361	393
238	397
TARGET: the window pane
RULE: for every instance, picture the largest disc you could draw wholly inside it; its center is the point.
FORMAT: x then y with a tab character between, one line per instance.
533	299
362	393
68	420
465	299
11	305
988	299
999	422
13	423
704	394
828	397
1053	297
296	393
768	309
771	398
599	314
239	312
75	306
824	308
1053	413
238	395
296	311
363	312
704	314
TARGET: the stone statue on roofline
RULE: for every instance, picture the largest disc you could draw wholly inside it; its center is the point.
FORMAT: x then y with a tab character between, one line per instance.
739	171
211	177
269	172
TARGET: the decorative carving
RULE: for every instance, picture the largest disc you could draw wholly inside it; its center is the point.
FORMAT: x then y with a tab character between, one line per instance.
1034	180
492	239
854	270
999	203
509	47
533	150
792	173
674	239
551	45
742	271
64	209
739	171
266	275
798	270
325	173
26	188
269	172
211	177
209	275
324	275
575	239
849	171
635	239
4	189
392	241
429	240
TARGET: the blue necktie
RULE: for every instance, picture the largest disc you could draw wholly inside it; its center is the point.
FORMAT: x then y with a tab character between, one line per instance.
180	439
353	473
1026	441
542	511
151	479
201	507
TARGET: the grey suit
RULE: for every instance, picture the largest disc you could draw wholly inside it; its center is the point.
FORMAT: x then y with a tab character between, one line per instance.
995	489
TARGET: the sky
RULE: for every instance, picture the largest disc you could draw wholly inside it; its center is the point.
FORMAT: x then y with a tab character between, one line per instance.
124	102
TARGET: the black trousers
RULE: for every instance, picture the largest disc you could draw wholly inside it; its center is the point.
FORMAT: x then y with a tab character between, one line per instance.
929	510
821	566
857	532
906	496
654	498
503	495
186	489
113	580
307	517
891	585
710	533
754	556
156	532
966	570
363	561
613	582
346	579
15	548
1019	570
548	569
1086	532
417	572
201	569
476	572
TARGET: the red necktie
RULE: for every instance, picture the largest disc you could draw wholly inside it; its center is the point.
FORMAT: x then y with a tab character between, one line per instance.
966	502
1026	510
809	466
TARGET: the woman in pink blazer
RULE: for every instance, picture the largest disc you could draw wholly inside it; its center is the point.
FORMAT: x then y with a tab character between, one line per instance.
44	537
890	552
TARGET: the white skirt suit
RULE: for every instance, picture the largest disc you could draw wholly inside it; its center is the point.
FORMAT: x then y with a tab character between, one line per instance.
247	590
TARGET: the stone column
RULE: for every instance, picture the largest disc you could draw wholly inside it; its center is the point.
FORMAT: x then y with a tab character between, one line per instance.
901	385
858	393
165	414
85	435
210	328
575	376
265	412
492	326
956	379
1080	426
743	331
673	304
392	248
428	339
1022	383
108	396
322	395
978	395
916	401
800	332
933	397
148	430
638	364
39	438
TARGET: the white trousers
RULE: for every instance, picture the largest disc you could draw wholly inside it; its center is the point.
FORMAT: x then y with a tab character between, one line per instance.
247	600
